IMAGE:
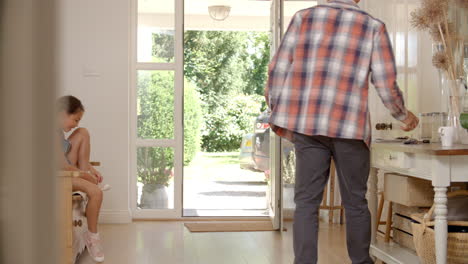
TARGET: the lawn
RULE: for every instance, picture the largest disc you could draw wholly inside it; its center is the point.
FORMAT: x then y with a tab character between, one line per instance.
219	166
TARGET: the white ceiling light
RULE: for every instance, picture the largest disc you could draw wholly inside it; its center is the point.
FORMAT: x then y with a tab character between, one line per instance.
219	12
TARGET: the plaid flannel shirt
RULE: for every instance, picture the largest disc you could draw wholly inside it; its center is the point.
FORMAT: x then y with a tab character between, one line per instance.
318	81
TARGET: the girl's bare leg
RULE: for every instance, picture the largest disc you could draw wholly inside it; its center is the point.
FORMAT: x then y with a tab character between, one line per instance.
80	149
94	201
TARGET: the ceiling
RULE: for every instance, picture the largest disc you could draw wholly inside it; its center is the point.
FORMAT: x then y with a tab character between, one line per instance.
238	7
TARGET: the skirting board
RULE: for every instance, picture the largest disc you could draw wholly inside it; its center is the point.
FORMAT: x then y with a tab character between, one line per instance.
115	217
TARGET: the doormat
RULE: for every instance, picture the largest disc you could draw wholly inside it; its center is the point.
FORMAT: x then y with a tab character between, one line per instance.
237	226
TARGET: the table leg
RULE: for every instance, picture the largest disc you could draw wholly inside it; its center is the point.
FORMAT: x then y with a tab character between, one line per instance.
372	200
440	212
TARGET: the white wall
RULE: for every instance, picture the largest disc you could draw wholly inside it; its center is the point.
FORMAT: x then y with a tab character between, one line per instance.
95	67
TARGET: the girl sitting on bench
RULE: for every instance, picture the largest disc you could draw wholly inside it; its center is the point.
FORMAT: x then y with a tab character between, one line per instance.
76	151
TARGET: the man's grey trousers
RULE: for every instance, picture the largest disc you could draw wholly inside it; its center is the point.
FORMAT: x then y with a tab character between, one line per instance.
352	161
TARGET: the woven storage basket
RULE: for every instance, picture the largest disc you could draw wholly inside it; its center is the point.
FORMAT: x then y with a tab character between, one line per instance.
424	238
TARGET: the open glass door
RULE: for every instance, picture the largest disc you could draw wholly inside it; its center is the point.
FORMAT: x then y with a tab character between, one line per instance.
282	159
275	200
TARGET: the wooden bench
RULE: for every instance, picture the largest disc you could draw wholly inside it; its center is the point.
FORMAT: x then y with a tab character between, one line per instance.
65	217
65	201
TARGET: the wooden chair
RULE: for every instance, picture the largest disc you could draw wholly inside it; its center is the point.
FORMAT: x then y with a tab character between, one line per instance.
388	223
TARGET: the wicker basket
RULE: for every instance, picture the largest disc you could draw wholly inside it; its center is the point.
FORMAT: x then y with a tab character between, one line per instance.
424	238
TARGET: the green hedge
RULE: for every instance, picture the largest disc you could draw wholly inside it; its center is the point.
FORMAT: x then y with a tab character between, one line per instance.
155	110
193	119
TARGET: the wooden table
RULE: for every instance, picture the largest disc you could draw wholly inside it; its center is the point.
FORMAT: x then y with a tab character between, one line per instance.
440	165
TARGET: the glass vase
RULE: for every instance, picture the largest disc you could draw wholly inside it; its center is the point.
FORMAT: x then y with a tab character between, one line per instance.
456	91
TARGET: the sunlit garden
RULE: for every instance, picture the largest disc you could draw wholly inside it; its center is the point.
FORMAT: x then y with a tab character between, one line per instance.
225	74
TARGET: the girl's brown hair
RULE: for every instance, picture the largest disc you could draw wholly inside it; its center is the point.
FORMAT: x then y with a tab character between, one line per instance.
70	104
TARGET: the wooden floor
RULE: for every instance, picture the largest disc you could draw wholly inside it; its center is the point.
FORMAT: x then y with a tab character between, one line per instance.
172	243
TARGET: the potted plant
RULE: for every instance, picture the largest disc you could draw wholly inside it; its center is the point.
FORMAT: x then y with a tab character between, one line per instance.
155	170
155	110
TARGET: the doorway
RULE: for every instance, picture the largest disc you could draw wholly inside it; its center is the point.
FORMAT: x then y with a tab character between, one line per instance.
226	60
201	142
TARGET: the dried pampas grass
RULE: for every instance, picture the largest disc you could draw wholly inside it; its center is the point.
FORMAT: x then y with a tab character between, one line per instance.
433	17
435	10
441	61
434	31
462	3
419	20
432	12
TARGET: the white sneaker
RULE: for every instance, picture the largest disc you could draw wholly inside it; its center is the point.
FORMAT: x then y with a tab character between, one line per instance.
105	187
93	244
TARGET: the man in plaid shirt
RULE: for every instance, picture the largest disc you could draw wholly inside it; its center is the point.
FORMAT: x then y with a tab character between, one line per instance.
317	91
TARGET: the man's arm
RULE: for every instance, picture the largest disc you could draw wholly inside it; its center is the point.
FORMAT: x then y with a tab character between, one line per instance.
384	78
281	62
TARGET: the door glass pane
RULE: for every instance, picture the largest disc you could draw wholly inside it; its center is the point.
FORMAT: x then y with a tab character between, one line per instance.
156	25
155	171
155	105
288	155
288	167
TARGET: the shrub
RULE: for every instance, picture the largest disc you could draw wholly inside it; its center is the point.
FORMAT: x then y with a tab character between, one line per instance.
156	121
232	118
192	122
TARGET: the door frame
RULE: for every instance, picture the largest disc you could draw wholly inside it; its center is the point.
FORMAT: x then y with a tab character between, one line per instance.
275	204
177	142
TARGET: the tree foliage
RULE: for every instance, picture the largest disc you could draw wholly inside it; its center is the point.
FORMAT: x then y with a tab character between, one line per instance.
227	62
163	46
258	57
228	70
193	120
226	65
233	118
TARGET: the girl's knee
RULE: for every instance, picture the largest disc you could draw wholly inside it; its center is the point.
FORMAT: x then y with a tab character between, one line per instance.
79	135
83	132
96	194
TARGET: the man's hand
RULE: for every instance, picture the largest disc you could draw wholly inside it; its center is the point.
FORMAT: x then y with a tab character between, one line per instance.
411	122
